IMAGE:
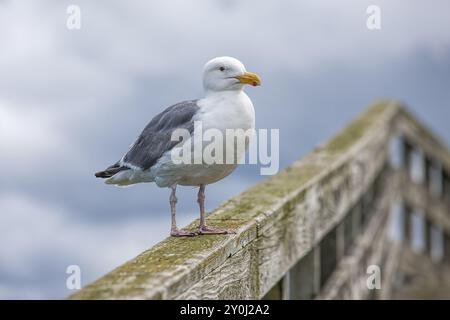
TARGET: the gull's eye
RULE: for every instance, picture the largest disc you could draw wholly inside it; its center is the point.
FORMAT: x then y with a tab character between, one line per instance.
222	68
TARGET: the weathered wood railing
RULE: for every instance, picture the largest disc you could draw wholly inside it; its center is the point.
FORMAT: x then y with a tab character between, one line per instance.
312	230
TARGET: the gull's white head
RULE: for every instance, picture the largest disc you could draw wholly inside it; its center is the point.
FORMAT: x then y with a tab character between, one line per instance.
227	73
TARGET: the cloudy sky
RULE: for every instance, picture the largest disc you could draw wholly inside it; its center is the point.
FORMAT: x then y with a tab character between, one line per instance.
71	102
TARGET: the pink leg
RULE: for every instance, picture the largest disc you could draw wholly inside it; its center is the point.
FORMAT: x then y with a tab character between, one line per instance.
203	228
174	231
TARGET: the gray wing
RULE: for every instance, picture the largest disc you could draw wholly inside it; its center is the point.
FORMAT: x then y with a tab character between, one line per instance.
155	140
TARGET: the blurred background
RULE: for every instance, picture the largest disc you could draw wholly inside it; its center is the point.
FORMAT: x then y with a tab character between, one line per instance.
72	101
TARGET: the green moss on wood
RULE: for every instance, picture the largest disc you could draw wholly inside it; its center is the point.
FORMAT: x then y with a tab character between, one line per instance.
357	128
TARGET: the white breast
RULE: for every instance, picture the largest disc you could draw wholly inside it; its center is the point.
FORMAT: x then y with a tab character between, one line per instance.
222	110
226	110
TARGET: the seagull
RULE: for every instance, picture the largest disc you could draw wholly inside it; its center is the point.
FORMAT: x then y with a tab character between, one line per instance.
225	106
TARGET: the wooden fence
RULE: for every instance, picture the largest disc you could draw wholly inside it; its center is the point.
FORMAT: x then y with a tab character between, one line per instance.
377	195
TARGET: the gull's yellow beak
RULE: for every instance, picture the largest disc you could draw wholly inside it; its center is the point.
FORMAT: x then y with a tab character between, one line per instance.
250	78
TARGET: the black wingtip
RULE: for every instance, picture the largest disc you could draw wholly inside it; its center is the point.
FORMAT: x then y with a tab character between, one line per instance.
109	172
101	174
